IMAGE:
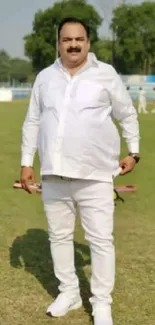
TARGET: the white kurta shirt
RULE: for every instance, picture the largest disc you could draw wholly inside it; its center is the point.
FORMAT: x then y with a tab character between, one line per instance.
70	121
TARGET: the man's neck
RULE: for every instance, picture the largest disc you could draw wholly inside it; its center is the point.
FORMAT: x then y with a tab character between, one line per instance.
74	68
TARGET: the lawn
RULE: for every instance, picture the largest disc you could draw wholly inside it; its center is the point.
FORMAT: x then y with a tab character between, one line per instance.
27	283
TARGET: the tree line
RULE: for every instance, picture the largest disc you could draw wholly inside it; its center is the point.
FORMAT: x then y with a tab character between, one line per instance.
15	70
130	49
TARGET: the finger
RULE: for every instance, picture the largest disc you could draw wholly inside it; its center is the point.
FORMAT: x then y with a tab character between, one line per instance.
22	184
123	164
125	170
26	187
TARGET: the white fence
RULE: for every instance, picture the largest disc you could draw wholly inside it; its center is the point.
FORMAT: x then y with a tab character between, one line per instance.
146	82
21	93
134	90
6	95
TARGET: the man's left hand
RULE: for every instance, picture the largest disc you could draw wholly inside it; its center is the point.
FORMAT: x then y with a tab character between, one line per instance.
127	164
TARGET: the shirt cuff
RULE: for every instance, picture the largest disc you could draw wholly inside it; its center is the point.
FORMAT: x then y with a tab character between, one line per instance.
27	160
133	147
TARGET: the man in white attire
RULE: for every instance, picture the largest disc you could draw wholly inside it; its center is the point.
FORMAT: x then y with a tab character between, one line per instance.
142	101
70	120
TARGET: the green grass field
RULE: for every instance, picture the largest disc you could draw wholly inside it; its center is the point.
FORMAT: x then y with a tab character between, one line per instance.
27	283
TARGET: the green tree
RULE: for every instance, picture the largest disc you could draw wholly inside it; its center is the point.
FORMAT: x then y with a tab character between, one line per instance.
103	50
4	66
40	46
134	38
20	70
15	69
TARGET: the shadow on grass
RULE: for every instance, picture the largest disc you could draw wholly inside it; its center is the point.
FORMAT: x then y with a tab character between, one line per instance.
32	252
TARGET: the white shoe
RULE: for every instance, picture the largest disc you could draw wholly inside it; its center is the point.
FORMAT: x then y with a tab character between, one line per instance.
63	304
102	316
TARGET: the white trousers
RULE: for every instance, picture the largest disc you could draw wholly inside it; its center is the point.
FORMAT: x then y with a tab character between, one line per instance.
96	205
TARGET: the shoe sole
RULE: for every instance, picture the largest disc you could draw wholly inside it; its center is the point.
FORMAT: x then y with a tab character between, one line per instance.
77	305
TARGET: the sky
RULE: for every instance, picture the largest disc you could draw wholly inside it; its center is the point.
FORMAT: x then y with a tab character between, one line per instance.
16	17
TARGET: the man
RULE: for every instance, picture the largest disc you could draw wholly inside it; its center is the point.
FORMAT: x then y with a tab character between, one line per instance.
142	101
70	120
153	102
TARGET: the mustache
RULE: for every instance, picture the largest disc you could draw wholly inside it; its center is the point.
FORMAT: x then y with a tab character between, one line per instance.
74	49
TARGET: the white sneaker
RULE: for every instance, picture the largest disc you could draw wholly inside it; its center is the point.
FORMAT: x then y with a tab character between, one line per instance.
102	317
63	304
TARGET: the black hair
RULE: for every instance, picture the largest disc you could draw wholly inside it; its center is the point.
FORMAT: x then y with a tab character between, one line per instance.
76	21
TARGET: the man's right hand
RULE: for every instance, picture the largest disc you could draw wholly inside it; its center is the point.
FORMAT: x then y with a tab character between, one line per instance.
27	176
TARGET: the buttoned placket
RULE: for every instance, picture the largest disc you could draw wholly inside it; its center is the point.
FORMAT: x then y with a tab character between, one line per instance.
71	80
60	131
57	157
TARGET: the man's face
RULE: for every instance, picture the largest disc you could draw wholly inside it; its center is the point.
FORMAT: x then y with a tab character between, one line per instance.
73	43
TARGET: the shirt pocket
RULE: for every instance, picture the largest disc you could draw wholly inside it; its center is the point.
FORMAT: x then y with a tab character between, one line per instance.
88	92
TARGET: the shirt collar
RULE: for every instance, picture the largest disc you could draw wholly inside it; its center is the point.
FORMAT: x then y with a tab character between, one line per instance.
91	61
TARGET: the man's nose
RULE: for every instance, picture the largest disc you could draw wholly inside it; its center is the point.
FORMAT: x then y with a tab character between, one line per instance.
73	43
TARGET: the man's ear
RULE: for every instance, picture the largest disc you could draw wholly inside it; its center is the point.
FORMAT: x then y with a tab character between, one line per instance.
88	45
58	44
